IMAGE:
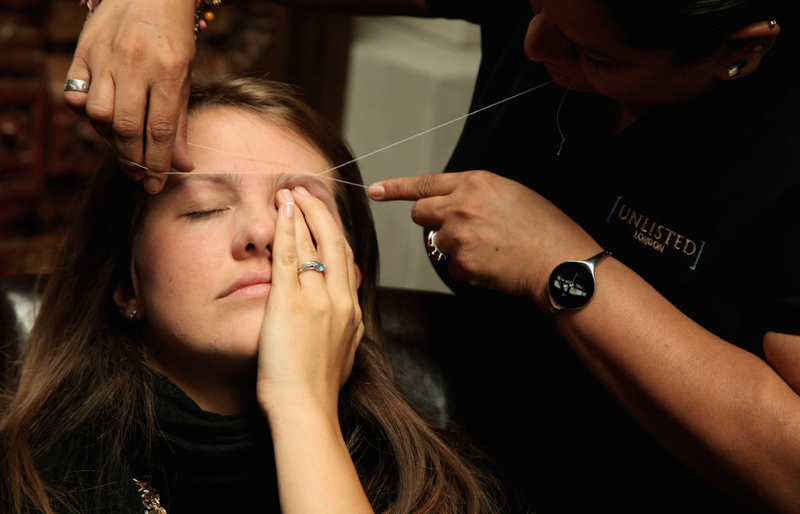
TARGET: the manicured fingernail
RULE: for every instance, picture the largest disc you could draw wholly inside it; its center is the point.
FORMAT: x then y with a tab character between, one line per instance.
302	191
289	209
376	191
151	185
287	195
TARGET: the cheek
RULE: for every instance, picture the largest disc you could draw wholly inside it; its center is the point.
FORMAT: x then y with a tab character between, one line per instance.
174	270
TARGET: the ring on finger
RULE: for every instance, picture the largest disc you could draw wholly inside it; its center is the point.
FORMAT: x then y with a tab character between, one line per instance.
81	86
311	265
433	250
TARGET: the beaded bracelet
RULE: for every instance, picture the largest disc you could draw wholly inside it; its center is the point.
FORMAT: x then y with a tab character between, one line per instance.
202	11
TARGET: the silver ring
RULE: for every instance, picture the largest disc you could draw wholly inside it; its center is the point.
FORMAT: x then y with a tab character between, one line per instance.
80	86
433	250
772	24
311	265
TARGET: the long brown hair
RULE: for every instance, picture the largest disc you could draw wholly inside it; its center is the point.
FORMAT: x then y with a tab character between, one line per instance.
84	366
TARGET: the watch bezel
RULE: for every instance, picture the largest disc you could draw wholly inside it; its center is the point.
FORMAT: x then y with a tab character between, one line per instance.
587	270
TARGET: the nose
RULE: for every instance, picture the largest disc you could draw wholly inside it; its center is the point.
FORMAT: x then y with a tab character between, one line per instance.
254	238
545	43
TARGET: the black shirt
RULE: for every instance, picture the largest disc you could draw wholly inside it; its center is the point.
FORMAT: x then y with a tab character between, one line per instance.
700	199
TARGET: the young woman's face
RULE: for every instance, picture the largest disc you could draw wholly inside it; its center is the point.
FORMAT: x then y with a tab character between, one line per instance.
202	257
584	49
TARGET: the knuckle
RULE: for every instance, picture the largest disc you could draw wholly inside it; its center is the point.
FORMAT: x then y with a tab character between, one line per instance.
127	125
285	259
339	244
162	129
425	185
478	177
99	113
174	64
306	246
416	212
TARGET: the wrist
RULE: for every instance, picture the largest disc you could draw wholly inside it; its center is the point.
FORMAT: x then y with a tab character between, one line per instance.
572	283
282	403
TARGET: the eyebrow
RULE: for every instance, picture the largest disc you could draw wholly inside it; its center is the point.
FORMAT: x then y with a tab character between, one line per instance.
233	179
225	178
289	180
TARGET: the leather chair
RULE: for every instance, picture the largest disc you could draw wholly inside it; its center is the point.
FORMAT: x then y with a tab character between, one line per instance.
413	322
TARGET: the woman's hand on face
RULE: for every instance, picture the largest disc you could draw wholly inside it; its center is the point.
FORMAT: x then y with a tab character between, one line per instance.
137	57
498	233
313	324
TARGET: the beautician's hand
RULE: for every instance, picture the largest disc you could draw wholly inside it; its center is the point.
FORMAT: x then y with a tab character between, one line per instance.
313	320
137	56
499	234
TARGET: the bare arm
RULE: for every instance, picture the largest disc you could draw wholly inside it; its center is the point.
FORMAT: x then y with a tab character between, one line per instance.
720	409
723	411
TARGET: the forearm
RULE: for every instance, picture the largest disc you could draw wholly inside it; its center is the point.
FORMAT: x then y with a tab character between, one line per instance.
361	7
313	464
720	409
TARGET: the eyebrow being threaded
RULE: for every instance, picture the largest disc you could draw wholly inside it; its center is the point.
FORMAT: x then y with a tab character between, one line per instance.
325	172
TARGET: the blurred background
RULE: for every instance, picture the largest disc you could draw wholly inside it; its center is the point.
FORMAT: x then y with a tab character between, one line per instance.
380	79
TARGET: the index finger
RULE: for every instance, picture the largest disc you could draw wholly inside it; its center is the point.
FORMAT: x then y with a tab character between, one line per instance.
414	188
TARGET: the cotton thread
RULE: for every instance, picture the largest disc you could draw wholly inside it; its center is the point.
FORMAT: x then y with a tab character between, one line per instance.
558	119
534	88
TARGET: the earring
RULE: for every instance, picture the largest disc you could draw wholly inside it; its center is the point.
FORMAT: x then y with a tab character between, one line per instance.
736	68
132	314
772	24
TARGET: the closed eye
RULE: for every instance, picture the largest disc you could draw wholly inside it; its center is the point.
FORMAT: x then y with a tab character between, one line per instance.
203	214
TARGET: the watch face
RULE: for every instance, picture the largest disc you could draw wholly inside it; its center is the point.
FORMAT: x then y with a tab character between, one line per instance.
571	285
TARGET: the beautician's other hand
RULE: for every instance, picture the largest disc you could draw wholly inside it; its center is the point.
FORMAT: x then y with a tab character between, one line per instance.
313	324
499	234
137	56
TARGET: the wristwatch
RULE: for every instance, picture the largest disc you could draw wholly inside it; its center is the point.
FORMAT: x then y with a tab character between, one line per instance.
572	283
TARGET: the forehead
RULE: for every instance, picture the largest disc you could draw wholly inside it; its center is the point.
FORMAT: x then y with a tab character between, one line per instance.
234	141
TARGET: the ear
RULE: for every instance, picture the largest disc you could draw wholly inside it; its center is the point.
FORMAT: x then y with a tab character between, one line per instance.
358	276
127	303
742	51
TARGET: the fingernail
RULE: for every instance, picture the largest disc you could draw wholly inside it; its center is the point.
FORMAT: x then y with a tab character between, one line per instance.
287	195
289	210
151	185
376	191
302	191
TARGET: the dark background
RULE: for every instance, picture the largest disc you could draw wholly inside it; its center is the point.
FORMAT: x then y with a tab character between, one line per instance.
47	151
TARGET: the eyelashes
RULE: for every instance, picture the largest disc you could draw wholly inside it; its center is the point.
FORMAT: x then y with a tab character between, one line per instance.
195	215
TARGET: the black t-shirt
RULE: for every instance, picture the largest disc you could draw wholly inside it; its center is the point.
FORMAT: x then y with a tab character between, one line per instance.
700	199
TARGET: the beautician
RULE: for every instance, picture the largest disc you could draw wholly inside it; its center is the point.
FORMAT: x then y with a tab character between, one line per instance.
624	239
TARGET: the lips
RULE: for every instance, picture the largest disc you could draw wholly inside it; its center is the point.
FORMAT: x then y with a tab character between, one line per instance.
251	284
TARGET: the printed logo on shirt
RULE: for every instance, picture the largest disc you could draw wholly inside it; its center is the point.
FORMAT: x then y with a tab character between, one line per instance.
654	234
